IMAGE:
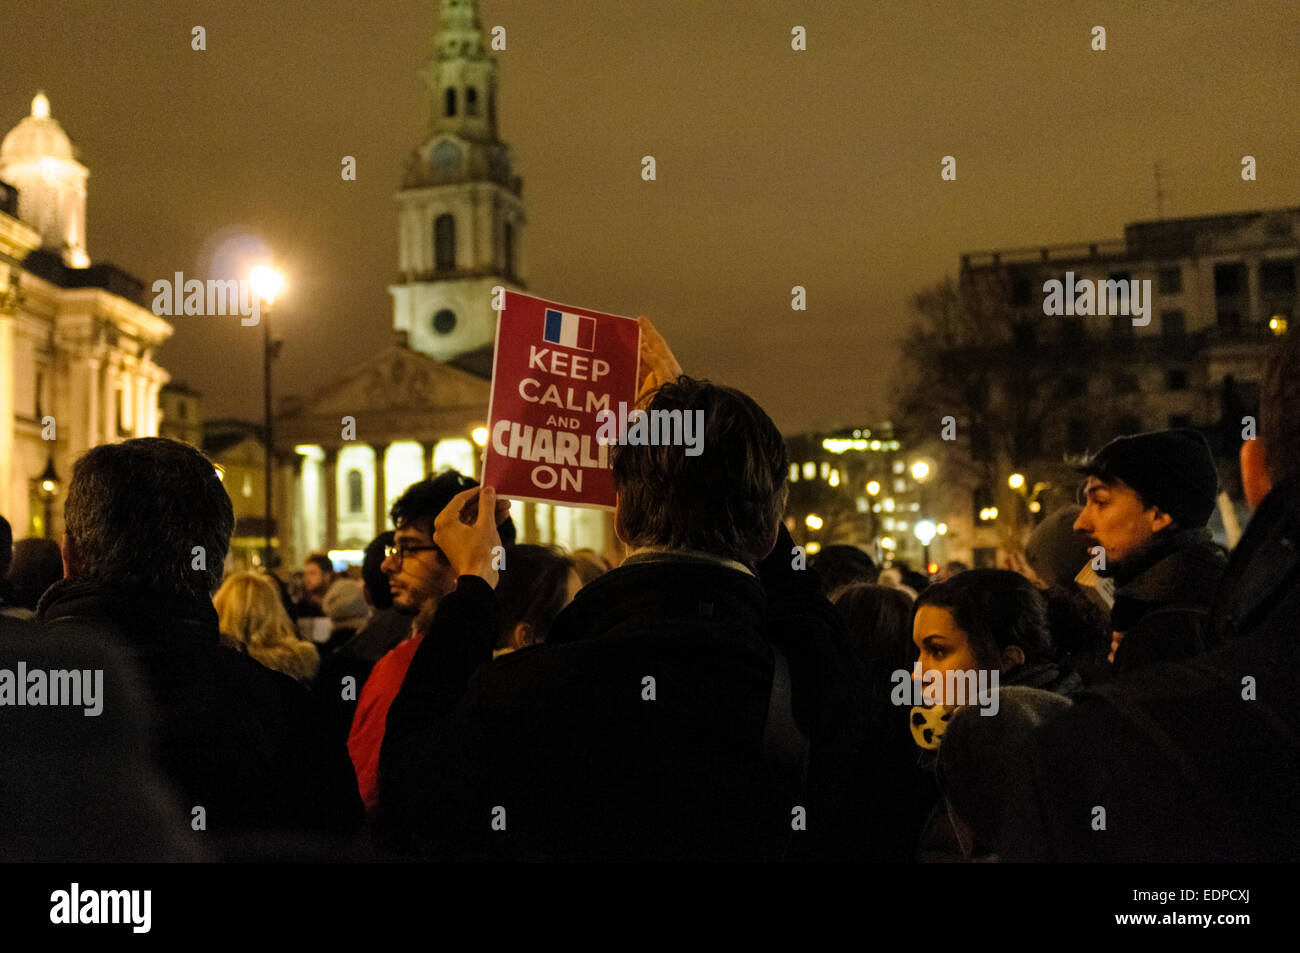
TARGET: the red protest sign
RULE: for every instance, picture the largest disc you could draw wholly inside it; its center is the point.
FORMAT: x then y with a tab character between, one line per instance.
556	368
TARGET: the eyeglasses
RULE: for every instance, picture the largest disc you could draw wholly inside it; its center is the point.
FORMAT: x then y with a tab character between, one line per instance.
401	552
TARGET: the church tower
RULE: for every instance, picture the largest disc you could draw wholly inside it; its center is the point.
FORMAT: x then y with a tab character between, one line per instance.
37	158
460	207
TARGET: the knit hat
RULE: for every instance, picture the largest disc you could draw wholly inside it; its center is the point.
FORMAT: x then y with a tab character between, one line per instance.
345	602
1054	551
1171	469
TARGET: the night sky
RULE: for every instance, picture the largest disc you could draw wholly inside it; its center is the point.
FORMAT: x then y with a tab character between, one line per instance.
775	167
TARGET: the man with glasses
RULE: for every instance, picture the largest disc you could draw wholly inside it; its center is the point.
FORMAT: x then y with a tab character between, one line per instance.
418	577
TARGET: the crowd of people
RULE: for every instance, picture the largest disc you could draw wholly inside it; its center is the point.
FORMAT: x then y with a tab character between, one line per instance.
709	694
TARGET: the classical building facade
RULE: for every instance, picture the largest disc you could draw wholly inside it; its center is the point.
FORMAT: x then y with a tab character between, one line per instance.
417	406
76	341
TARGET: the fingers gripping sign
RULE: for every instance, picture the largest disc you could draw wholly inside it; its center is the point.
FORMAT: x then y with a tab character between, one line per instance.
466	532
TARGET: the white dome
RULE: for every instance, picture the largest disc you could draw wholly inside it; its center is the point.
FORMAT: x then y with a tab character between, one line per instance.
37	136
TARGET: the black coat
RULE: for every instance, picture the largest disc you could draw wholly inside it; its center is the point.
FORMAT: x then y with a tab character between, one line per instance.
249	745
564	742
1162	605
1192	761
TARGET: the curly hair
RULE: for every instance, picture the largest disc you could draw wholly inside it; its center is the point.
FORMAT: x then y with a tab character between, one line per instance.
253	621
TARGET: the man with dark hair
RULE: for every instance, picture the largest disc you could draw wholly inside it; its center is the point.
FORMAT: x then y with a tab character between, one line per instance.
1147	500
655	722
37	565
1198	760
148	524
6	553
317	577
418	577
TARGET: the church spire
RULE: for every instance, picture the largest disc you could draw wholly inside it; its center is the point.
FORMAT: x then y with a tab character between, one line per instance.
460	76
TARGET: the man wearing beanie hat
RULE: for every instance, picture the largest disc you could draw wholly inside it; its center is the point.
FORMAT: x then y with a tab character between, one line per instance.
1146	504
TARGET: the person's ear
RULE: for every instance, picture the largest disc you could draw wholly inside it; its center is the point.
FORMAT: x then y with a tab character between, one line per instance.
1256	481
1160	519
521	635
1013	656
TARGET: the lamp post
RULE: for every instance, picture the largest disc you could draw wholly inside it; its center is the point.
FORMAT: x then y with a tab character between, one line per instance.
49	487
925	531
267	283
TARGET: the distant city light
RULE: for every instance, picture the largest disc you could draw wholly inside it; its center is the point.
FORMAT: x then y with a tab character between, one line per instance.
925	531
1016	481
835	478
480	436
813	548
886	542
873	488
920	470
1277	324
813	521
942	529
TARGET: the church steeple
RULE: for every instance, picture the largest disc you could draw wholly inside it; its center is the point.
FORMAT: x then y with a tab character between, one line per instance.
460	77
460	209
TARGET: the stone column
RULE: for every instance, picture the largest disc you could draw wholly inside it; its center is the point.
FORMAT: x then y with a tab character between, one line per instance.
93	415
381	487
330	487
108	403
7	361
140	406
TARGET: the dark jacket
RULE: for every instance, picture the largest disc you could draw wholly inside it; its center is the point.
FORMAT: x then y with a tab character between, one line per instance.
249	745
635	732
1192	761
1162	600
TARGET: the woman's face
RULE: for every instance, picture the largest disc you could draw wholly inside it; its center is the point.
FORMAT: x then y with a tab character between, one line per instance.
942	644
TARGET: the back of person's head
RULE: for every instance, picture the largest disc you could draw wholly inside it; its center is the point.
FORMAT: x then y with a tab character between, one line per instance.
372	574
252	620
421	502
996	608
533	588
345	604
589	564
879	623
1054	551
1279	408
141	513
726	499
1080	631
37	565
839	565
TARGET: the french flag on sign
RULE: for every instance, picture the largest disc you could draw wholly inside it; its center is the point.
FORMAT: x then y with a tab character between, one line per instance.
570	330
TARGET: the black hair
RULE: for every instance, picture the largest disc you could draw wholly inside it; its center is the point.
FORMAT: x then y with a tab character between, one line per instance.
879	623
322	561
421	503
839	565
996	608
372	573
37	565
533	588
141	512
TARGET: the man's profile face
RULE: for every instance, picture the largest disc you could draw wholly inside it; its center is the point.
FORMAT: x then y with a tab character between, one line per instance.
1115	518
313	580
419	573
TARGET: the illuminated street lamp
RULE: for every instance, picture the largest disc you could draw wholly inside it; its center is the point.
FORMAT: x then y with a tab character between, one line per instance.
480	436
1016	481
267	284
873	488
920	471
925	531
813	521
49	488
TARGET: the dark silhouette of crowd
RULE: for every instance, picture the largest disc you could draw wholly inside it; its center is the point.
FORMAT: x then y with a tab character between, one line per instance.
1121	692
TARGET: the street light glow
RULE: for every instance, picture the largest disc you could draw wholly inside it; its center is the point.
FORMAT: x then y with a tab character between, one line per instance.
942	529
814	521
1016	481
873	488
920	470
267	282
887	542
924	531
480	436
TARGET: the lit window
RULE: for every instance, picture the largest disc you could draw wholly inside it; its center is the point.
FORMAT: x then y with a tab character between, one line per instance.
887	522
900	485
826	470
794	473
898	466
810	471
889	504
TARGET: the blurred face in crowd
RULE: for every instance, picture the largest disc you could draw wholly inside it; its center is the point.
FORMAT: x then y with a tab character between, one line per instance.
417	573
314	580
1116	518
